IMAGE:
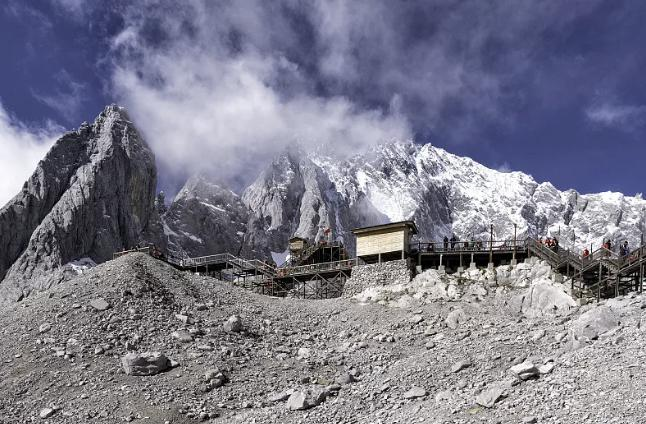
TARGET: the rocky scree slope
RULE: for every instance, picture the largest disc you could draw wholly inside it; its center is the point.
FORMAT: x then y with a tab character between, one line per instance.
472	358
301	194
91	195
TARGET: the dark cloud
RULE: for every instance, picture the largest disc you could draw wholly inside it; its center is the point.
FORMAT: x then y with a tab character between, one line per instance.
507	81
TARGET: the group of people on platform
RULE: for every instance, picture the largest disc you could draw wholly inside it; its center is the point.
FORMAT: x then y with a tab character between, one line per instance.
551	242
454	244
624	249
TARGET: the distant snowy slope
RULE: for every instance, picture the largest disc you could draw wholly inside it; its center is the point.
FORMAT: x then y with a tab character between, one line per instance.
205	219
444	193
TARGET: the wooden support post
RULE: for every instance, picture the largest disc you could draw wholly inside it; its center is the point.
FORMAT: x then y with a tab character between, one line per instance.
641	277
513	255
491	244
599	284
617	285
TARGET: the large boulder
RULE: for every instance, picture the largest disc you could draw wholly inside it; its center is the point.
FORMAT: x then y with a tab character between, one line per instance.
92	194
146	363
544	299
593	324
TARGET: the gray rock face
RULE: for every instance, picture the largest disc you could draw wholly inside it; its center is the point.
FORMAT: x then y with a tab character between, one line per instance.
205	219
91	195
296	197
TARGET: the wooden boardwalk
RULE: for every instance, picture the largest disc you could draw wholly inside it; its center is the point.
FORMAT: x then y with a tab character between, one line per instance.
310	281
461	254
601	274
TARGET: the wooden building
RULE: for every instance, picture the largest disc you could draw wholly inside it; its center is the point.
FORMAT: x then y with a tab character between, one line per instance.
385	242
297	245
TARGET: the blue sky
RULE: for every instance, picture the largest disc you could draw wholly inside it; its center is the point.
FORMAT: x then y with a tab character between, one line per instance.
555	89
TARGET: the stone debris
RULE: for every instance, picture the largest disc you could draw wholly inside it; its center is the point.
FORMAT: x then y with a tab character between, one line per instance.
455	318
233	324
345	378
182	336
525	370
46	412
146	363
300	400
99	304
296	360
489	397
460	365
415	392
214	378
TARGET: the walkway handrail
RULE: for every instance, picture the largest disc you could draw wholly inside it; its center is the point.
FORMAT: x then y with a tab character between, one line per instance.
470	246
125	252
320	267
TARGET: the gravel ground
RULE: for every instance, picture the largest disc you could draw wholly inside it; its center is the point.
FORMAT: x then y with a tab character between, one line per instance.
471	359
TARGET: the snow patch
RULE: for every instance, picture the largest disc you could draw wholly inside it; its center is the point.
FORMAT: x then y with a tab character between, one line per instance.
79	266
280	257
213	207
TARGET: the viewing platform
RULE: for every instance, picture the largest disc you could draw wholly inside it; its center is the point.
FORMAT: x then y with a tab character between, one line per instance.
320	270
458	255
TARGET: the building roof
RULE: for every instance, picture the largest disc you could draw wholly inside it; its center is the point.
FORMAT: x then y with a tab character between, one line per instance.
389	226
296	238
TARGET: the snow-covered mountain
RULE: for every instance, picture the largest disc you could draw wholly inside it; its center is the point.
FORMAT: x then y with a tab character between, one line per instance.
301	194
93	194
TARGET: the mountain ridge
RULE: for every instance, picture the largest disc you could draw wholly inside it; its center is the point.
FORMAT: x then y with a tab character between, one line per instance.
94	194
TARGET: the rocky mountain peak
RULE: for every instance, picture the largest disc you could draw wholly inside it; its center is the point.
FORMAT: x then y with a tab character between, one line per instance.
205	218
90	196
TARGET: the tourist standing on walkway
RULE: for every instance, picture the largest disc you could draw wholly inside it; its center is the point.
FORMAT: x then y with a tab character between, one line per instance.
623	249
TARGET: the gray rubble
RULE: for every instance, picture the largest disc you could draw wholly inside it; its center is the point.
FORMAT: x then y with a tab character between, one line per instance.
296	361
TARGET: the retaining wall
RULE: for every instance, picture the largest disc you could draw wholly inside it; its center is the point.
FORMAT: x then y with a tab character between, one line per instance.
374	275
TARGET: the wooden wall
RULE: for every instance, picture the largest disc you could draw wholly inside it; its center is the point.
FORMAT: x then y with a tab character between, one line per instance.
391	240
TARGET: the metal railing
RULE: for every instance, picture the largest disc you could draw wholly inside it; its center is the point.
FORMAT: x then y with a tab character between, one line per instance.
317	268
137	250
470	246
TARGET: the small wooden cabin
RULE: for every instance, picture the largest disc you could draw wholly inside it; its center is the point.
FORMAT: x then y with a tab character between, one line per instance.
385	242
297	245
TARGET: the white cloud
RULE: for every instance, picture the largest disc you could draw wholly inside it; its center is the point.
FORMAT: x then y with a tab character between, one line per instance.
626	117
504	167
76	8
204	108
22	147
